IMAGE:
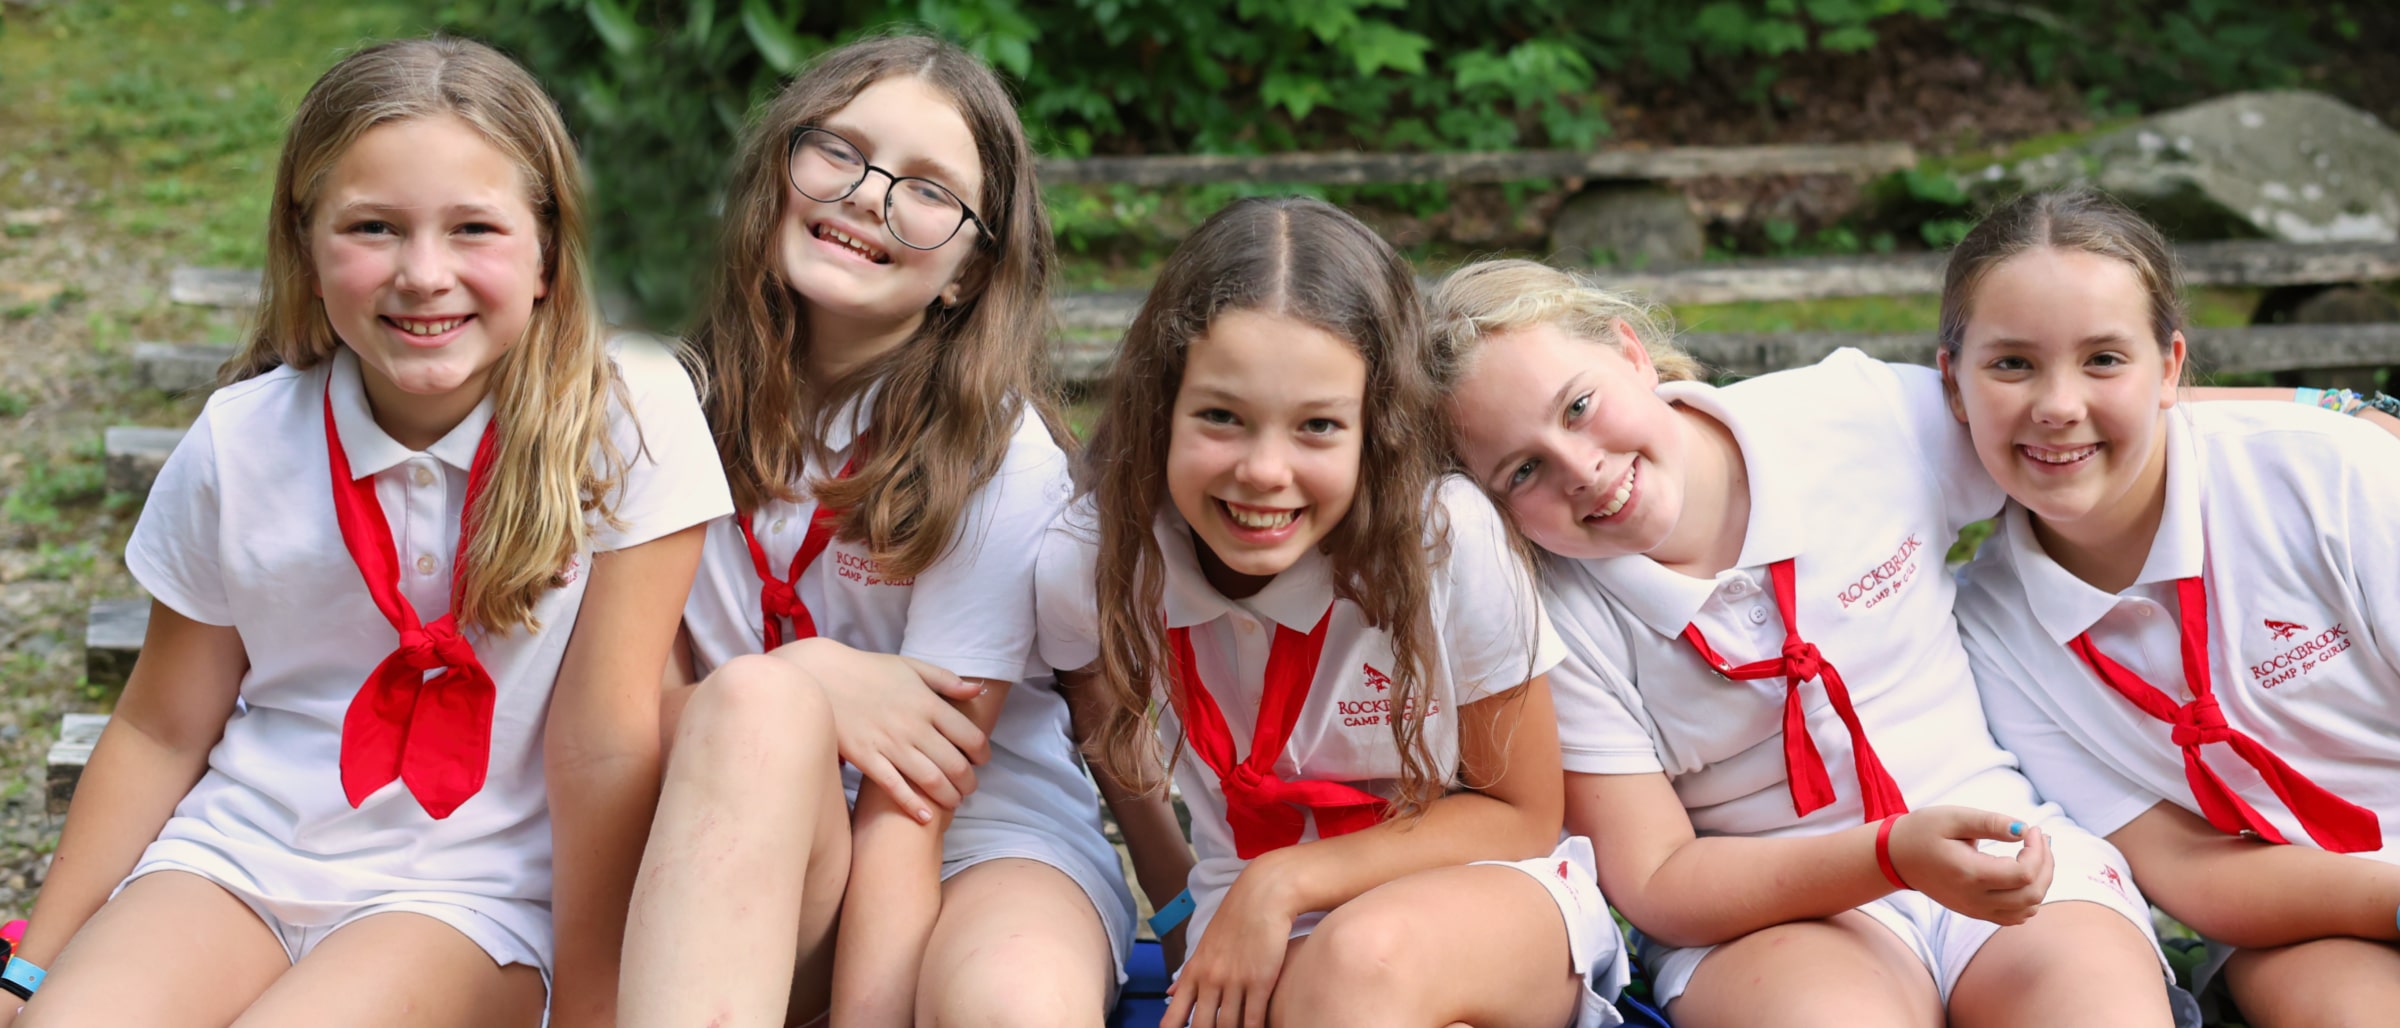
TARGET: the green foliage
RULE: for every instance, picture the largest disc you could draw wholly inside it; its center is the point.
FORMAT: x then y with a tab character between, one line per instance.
2138	55
657	89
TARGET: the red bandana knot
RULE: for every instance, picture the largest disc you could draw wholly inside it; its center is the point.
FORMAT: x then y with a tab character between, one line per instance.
1801	661
2201	721
777	599
437	645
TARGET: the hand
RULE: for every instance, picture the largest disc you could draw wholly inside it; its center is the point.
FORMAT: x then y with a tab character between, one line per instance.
1232	971
1935	851
893	721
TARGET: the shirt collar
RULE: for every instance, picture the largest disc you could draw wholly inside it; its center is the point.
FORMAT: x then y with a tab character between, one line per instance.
371	450
2067	606
851	421
1296	598
1667	600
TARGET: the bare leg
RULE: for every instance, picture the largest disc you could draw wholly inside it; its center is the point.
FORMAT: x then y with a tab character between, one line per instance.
743	875
1847	970
173	949
400	970
1479	944
1018	943
2328	983
2075	963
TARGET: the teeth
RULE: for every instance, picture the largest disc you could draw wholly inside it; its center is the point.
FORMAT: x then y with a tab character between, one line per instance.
1624	492
1260	519
428	328
854	243
2061	456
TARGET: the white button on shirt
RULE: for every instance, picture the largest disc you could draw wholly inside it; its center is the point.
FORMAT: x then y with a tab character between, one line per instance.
423	475
1859	474
240	530
1489	636
2292	516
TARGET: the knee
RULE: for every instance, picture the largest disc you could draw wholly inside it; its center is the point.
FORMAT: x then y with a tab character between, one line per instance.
1018	983
1358	967
756	708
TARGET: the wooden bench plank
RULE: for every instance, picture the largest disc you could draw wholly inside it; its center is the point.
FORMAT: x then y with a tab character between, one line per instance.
113	630
77	734
2251	348
134	453
1358	168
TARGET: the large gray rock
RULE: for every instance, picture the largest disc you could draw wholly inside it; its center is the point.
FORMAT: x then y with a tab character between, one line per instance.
1631	225
2290	165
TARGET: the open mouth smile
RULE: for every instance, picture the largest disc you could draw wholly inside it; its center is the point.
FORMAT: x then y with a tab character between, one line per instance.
828	233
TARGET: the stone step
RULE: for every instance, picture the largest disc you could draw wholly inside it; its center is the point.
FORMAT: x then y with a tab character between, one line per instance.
77	734
2255	263
112	636
179	367
1356	168
134	453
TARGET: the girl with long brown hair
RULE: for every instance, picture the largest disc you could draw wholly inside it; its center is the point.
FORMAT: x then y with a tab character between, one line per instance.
431	473
875	348
1270	576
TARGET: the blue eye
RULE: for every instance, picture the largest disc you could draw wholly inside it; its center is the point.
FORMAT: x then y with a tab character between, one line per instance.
1522	473
1579	406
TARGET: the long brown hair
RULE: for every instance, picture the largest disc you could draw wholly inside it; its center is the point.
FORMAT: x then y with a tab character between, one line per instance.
552	388
2084	220
1307	260
951	394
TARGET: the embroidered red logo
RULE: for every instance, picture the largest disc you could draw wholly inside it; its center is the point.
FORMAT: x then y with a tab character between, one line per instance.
865	570
567	575
2306	655
2108	876
1562	870
1377	680
1880	582
2284	629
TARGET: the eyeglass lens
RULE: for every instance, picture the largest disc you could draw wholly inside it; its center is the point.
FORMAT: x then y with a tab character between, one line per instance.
920	212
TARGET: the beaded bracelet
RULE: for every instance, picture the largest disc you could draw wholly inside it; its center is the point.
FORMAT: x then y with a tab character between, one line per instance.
2339	401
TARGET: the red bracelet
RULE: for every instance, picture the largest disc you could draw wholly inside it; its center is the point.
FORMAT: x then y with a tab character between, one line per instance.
1883	853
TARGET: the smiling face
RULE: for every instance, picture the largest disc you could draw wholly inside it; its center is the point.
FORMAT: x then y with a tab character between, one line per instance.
839	256
2061	381
1263	451
428	257
1569	434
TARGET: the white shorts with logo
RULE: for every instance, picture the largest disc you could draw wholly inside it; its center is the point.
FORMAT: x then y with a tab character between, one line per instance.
1595	951
2088	868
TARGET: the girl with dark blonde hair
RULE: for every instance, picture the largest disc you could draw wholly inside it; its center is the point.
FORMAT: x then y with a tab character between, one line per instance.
431	473
862	633
1270	575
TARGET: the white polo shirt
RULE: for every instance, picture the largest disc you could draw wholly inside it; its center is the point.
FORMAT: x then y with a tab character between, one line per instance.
1489	636
2292	517
1860	475
240	530
971	612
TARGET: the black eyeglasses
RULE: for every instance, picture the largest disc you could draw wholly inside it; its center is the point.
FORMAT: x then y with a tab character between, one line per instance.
919	212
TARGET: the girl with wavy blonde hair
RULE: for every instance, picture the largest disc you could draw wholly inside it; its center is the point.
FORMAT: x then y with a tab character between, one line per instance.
428	491
876	338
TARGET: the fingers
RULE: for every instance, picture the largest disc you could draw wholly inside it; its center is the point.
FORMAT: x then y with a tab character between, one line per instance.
928	777
940	680
962	733
1968	823
880	771
1179	1005
1254	1005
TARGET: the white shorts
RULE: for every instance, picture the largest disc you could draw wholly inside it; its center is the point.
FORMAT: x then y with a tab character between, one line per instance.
301	925
1595	951
2088	868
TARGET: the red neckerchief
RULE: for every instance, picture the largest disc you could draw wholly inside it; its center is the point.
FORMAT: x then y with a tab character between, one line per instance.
1803	766
1265	811
434	734
779	598
2335	823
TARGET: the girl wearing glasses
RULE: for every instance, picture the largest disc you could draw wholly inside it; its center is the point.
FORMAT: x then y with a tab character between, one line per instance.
862	631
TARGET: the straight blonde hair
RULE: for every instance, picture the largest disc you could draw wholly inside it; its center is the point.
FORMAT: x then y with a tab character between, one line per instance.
551	389
1494	297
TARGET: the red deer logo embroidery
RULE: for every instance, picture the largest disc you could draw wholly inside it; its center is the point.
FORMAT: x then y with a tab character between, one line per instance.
1562	870
1377	680
2108	876
2284	629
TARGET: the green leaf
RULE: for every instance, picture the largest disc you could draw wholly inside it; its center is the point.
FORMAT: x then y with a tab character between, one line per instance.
1376	45
782	48
615	25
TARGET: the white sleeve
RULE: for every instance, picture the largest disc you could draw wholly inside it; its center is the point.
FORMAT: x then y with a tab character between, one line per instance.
2371	489
972	611
1066	593
1488	611
175	549
1968	492
672	479
1601	730
2061	769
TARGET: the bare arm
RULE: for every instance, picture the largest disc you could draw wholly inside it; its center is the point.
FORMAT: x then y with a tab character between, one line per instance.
1689	891
894	895
154	750
1162	858
2278	394
601	753
2243	892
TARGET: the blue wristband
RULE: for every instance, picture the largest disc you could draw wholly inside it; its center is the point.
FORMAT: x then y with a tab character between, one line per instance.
22	977
1171	915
